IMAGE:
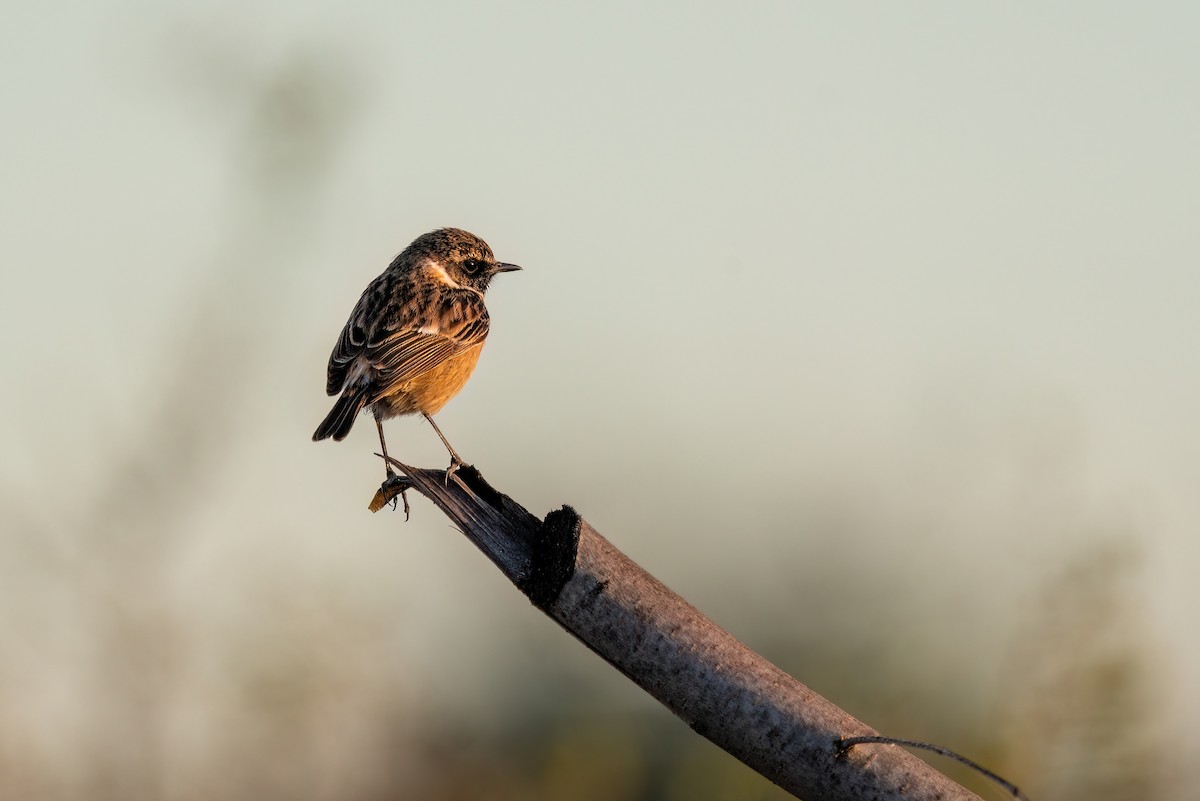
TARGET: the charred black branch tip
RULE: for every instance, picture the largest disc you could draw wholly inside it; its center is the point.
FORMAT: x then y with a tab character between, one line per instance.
465	475
473	480
552	562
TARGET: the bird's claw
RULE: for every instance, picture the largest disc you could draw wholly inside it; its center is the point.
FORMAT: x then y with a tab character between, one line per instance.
394	485
455	464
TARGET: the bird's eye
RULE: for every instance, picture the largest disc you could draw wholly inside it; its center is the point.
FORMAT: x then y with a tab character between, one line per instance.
472	266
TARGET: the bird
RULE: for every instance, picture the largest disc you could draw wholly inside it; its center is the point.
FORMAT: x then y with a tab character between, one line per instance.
414	336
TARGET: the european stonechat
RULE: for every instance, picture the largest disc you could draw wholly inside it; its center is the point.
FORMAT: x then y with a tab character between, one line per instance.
414	336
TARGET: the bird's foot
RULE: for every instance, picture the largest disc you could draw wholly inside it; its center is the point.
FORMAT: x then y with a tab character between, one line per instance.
455	464
394	485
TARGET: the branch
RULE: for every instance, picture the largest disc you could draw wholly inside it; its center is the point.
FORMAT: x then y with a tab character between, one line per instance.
722	689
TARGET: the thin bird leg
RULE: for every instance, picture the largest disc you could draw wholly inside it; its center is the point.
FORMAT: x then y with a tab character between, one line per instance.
386	464
455	461
391	474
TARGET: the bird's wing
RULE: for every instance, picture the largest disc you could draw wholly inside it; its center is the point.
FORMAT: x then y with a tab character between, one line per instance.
441	330
401	336
350	345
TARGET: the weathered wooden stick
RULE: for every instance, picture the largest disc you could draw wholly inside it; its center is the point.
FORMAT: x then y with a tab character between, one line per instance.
721	688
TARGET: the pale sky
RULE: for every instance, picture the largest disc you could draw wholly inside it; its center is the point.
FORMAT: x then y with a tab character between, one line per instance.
937	259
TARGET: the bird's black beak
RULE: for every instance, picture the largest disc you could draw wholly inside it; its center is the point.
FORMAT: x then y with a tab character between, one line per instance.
502	267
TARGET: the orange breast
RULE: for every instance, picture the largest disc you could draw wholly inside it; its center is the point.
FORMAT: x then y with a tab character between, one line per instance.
430	391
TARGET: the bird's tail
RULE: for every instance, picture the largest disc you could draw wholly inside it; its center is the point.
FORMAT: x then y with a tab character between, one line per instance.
340	420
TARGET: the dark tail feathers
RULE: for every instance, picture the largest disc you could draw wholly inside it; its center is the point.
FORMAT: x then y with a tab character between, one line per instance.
340	420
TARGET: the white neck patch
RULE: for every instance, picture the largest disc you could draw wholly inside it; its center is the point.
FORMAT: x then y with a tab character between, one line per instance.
440	274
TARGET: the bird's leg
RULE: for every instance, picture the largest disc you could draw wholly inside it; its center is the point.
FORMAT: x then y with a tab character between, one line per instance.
383	445
455	460
387	466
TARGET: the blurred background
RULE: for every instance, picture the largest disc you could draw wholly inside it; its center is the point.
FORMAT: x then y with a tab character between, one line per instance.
869	328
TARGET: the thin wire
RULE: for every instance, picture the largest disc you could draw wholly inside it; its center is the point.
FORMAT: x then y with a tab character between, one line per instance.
846	743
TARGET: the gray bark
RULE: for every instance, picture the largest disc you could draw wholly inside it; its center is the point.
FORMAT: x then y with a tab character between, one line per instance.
722	689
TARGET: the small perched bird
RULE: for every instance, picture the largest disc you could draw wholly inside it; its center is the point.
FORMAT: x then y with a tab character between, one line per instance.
415	335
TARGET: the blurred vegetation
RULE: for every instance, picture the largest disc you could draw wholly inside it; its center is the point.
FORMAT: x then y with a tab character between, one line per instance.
115	691
1081	706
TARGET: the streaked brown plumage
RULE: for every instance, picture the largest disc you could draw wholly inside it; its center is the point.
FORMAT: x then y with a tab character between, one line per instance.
415	335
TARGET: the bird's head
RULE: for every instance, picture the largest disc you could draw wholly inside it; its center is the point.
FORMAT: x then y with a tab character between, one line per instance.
465	259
